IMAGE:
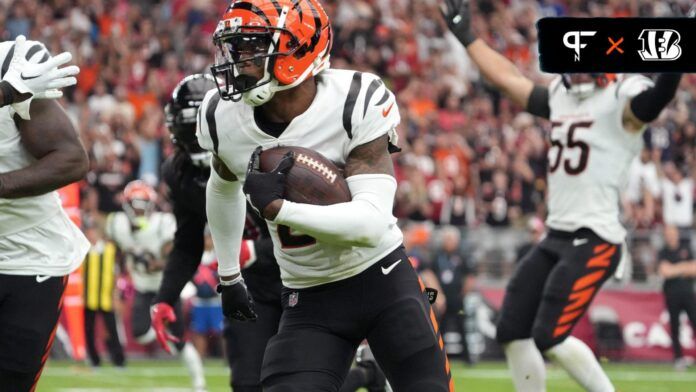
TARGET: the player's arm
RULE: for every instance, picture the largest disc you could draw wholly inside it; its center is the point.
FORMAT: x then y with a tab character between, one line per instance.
362	221
51	138
647	105
497	69
225	207
226	211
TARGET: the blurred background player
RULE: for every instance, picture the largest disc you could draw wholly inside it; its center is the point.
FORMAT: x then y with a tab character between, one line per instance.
597	124
144	236
99	272
186	174
678	268
39	245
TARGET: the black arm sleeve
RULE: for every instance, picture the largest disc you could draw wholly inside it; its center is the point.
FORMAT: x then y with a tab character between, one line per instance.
185	257
538	103
647	105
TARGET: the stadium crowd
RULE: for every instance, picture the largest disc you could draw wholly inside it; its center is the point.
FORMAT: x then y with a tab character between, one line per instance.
470	158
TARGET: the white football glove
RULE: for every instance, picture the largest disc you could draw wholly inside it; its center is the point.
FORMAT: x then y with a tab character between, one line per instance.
42	80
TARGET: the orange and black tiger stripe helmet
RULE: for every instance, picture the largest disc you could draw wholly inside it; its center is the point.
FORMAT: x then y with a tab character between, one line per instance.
290	38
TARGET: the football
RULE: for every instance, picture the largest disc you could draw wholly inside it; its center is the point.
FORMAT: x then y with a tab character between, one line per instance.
313	178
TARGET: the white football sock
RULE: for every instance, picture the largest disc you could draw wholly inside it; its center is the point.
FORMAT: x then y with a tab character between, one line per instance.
526	365
147	338
193	363
579	361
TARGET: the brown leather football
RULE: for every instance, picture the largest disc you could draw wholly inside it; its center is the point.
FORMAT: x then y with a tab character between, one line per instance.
312	179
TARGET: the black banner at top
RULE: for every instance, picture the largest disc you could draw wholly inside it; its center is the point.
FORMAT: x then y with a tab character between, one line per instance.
617	45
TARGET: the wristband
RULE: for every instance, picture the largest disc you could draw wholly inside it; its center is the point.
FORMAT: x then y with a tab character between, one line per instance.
231	282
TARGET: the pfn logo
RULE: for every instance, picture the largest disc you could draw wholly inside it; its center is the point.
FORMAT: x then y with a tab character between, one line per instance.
660	45
576	45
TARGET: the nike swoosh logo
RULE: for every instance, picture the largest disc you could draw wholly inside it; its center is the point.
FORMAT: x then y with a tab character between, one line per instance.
28	78
385	112
42	278
389	269
579	241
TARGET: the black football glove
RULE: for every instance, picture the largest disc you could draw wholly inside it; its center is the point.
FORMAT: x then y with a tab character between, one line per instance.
457	14
263	188
237	303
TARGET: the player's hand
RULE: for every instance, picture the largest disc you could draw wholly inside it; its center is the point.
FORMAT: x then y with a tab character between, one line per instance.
42	80
161	315
457	14
263	188
237	303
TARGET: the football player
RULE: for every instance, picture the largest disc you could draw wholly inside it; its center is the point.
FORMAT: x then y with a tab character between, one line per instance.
344	271
39	245
186	174
597	124
144	236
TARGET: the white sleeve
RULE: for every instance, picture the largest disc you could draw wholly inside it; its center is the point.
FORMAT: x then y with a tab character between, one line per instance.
207	109
226	211
376	113
360	222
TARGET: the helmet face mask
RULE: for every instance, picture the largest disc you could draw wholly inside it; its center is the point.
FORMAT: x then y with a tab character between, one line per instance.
139	202
582	86
265	46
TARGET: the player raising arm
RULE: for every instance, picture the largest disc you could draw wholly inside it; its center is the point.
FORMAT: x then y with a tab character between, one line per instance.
597	121
39	245
505	76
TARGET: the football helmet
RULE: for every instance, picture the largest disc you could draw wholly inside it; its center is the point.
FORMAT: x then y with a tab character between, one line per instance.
181	114
583	85
289	39
139	200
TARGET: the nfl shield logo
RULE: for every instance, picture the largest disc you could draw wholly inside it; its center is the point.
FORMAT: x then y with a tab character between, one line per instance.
292	300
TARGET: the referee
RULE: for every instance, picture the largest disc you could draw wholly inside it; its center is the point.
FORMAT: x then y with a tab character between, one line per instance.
99	274
678	267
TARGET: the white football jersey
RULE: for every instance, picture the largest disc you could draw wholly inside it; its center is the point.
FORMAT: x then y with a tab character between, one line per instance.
158	231
36	236
590	157
350	109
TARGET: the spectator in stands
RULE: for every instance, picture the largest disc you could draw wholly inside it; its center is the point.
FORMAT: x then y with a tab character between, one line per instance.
537	230
678	199
642	190
497	200
678	268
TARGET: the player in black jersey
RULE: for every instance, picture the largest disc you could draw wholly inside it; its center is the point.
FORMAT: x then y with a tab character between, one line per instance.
186	174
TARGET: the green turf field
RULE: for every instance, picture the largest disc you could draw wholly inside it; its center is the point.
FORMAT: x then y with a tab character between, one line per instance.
168	376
